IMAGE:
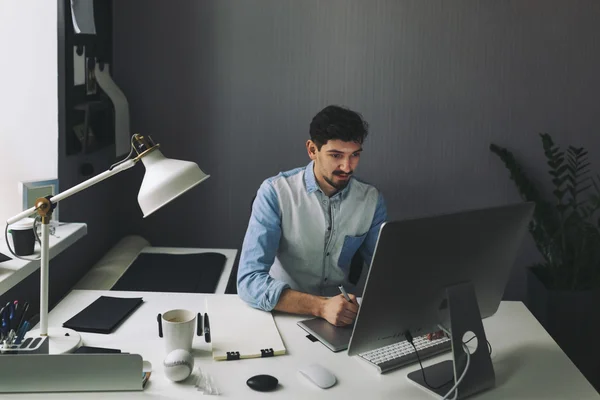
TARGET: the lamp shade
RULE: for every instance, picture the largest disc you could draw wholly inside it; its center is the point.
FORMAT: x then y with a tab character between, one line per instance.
165	179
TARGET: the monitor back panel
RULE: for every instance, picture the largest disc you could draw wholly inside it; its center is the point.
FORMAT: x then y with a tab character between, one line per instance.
416	260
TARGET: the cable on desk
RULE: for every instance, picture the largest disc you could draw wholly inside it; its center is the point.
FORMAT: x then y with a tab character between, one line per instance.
447	332
462	376
409	338
488	343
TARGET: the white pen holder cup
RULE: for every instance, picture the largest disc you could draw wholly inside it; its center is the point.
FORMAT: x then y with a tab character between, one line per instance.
177	328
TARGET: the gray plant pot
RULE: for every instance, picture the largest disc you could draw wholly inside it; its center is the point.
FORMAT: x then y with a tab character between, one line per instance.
572	318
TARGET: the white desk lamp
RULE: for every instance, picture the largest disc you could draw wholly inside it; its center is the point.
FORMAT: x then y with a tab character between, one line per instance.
164	180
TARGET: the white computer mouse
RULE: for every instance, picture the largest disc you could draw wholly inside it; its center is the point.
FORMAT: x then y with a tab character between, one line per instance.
318	375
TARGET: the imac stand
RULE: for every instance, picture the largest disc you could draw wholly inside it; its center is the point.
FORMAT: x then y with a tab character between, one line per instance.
464	317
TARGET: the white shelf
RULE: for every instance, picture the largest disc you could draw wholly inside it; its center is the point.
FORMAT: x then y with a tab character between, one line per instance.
14	271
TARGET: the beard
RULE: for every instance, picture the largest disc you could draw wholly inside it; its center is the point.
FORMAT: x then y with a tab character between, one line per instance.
340	185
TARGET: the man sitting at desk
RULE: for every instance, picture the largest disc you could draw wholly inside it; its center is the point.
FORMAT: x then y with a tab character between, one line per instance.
307	224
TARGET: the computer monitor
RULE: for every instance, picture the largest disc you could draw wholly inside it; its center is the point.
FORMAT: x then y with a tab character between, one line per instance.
449	270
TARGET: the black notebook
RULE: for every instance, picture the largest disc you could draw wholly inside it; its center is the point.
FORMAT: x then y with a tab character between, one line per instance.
104	314
183	273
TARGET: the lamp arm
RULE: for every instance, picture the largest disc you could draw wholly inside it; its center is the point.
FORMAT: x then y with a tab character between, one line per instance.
77	188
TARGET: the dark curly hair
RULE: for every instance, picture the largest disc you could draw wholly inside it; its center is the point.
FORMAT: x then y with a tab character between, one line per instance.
336	122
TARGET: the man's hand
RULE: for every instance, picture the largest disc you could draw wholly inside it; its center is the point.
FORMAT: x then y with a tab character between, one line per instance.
340	312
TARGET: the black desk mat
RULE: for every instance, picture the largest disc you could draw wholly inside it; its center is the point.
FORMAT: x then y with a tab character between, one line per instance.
182	273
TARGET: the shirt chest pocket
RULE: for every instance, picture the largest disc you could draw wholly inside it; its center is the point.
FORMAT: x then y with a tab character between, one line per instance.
349	248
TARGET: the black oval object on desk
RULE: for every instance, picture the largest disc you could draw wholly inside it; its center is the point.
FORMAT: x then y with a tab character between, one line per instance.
262	383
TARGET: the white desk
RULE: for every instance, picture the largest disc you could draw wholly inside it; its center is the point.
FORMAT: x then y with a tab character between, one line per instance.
15	270
528	363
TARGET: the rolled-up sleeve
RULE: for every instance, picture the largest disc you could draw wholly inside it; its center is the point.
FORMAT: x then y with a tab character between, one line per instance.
379	217
255	285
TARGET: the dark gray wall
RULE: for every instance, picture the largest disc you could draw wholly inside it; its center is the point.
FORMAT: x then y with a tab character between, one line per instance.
233	85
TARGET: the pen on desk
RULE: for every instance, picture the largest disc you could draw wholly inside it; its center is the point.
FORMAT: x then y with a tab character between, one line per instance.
345	293
206	328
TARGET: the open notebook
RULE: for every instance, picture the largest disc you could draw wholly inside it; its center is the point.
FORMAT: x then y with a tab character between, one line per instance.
239	331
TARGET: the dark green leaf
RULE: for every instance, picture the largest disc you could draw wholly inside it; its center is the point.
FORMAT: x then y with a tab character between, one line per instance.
562	228
558	182
596	186
559	194
561	207
562	169
583	166
583	189
584	180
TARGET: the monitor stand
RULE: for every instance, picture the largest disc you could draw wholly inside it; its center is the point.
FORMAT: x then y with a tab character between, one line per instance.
464	317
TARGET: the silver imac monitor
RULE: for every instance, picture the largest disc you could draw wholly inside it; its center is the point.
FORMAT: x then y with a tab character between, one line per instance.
449	270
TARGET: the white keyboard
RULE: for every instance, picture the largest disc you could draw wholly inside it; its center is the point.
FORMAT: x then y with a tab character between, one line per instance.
403	353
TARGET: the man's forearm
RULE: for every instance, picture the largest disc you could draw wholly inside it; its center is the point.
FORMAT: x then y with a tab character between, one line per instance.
295	302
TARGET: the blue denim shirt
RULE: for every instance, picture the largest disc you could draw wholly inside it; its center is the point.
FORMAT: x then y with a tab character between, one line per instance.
300	238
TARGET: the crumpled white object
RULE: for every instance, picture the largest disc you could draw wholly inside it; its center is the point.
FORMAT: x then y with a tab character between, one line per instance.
205	383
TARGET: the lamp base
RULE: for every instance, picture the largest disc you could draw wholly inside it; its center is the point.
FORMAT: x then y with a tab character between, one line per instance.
60	340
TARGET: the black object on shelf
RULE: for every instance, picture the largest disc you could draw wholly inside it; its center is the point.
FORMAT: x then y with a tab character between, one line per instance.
4	258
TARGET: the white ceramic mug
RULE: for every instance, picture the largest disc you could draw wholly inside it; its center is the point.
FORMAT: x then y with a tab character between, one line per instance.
177	327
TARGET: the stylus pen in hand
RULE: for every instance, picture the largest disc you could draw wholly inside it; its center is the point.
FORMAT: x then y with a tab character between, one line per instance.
344	293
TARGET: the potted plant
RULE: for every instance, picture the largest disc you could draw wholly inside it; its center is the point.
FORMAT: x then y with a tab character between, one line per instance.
564	289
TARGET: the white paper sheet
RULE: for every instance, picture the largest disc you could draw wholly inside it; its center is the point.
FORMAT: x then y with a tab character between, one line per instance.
235	327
